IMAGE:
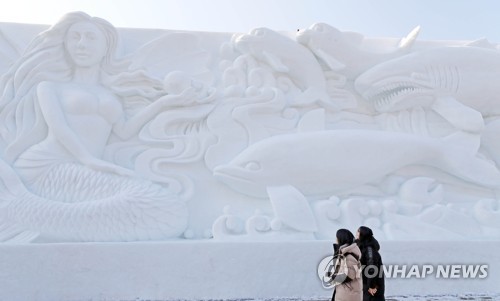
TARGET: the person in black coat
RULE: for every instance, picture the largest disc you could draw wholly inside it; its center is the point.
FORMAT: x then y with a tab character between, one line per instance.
373	273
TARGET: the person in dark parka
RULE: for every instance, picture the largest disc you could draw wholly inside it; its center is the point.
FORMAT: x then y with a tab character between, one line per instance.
373	274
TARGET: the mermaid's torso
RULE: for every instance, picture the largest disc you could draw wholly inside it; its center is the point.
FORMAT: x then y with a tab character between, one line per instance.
89	113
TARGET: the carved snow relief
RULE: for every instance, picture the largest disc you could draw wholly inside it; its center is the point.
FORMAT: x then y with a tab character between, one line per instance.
123	135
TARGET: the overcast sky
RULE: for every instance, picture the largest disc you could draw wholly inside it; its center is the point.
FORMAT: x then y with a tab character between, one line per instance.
439	19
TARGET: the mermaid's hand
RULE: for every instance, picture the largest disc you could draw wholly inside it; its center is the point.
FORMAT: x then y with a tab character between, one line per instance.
210	96
171	100
189	94
104	166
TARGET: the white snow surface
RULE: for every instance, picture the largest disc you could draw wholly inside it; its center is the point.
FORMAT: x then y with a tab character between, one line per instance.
211	270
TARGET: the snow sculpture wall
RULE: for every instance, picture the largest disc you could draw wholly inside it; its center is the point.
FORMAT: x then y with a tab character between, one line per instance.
128	134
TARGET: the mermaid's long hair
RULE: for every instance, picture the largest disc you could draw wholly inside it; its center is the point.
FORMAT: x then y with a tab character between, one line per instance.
45	59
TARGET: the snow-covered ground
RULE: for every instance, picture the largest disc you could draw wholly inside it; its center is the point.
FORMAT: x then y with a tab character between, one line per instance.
460	297
208	270
444	297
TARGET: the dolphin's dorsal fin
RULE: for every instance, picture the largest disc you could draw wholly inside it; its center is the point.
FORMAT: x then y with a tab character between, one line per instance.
311	121
275	62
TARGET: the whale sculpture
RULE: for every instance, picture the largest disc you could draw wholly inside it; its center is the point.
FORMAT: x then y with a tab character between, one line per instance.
340	160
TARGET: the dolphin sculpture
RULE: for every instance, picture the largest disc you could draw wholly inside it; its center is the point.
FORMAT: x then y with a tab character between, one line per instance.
344	52
286	56
324	163
459	83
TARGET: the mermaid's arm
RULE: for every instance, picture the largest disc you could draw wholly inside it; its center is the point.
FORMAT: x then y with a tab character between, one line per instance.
126	128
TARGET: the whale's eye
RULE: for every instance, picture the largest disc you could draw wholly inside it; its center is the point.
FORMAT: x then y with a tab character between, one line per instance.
252	165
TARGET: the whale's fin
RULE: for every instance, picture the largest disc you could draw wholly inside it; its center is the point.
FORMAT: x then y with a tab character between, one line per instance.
292	208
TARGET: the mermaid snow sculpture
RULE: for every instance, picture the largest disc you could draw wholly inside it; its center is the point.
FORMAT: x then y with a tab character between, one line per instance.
62	101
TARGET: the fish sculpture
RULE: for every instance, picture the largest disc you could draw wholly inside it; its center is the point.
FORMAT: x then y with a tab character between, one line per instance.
330	162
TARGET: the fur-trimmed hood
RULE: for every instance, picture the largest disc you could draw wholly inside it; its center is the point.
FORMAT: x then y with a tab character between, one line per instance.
352	248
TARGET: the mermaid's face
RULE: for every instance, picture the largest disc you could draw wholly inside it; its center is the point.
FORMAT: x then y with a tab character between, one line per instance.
86	44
